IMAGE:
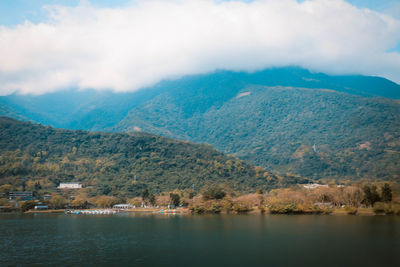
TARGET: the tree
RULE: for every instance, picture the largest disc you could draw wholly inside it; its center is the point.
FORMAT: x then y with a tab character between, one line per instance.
105	189
152	199
145	194
58	202
106	201
6	188
370	195
27	205
260	191
191	194
79	203
175	199
386	193
37	186
23	185
213	192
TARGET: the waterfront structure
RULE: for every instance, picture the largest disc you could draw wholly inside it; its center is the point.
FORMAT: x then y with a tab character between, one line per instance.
22	195
69	186
122	206
41	207
91	212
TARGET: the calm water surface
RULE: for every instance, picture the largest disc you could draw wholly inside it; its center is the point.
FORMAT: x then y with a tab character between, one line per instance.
220	240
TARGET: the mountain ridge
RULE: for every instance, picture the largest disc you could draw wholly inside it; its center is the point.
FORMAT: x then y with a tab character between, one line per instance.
99	110
282	120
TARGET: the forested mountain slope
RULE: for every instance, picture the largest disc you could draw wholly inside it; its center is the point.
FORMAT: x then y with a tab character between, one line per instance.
100	110
285	119
310	132
119	164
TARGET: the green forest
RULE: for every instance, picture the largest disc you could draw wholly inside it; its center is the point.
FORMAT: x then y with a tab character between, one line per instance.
38	158
314	133
288	120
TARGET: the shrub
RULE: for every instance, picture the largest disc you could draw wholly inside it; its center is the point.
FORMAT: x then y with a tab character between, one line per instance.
4	202
351	210
389	209
261	208
214	208
240	207
28	205
197	209
227	205
282	208
396	208
379	207
323	210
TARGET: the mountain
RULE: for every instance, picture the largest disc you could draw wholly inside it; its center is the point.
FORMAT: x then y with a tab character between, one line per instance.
74	109
118	163
100	110
313	133
286	119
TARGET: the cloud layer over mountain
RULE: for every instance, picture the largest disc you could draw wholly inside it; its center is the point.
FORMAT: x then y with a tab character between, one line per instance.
130	47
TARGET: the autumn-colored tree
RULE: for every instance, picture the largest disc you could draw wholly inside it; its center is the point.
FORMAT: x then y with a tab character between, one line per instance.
58	202
6	188
79	202
106	201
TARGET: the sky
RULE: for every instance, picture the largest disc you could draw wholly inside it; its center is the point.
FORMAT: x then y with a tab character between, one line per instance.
125	45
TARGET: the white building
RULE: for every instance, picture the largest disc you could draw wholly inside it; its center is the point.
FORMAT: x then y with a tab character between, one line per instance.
69	186
122	206
313	186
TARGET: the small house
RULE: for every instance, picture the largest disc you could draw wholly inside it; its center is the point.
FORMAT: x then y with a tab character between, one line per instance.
69	186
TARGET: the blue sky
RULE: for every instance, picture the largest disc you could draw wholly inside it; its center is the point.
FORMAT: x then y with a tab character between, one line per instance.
13	12
129	46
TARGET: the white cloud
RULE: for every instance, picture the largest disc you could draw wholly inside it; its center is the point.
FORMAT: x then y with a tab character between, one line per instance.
137	45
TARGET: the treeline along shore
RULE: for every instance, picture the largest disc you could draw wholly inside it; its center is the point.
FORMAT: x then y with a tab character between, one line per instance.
352	199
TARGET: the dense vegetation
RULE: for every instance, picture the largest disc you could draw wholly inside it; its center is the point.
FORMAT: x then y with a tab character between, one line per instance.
99	110
312	133
38	158
354	197
266	118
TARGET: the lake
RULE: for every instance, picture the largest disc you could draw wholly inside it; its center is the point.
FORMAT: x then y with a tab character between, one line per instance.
201	240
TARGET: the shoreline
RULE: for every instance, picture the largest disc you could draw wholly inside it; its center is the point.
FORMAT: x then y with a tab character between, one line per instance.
185	211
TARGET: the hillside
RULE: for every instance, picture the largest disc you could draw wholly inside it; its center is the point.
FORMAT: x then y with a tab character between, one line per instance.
354	137
271	118
120	164
101	110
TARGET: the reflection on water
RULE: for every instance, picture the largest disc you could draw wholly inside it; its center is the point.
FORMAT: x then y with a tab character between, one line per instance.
207	240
